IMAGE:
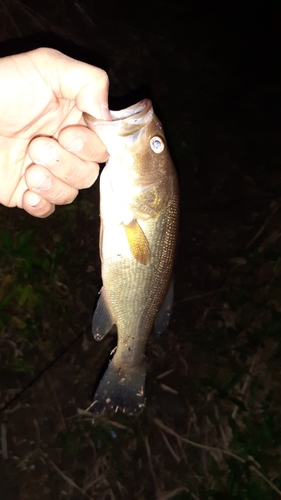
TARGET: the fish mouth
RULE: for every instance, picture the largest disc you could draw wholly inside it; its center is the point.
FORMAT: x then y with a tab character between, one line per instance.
127	121
136	111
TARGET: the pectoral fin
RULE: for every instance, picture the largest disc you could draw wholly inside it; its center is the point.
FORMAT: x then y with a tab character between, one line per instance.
164	314
102	319
138	243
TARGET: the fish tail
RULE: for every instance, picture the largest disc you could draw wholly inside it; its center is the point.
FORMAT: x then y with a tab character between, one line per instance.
121	389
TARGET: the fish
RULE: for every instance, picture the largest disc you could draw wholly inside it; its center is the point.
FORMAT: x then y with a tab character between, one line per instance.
139	212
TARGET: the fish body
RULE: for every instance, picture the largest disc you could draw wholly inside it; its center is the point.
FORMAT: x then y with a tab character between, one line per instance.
139	219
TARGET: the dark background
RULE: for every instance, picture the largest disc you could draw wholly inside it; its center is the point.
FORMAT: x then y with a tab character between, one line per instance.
212	70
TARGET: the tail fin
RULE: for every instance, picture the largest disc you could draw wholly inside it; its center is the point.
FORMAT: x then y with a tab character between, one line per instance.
121	389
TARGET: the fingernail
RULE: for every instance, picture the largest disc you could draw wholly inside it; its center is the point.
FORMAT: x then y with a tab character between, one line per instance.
74	143
46	155
35	202
105	112
44	184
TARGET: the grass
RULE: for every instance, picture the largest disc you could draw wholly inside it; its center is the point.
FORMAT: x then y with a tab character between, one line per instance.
28	273
228	446
222	436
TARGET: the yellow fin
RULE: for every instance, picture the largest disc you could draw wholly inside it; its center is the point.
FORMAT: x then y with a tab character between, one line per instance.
138	243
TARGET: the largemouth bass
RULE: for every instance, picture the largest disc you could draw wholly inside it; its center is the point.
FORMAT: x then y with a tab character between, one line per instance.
139	218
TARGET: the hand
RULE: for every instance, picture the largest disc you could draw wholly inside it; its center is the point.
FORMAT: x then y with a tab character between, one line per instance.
46	151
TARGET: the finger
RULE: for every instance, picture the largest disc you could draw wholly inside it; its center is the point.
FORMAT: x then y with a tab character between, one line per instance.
63	164
33	204
84	143
85	84
42	182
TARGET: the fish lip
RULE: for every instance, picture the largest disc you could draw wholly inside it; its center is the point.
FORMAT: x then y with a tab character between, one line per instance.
128	120
136	110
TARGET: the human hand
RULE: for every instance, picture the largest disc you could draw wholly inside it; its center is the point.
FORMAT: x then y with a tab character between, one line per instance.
46	151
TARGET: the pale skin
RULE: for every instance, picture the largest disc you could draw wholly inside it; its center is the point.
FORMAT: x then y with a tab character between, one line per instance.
46	152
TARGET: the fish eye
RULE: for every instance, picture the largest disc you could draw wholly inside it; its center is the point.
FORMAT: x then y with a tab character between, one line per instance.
157	144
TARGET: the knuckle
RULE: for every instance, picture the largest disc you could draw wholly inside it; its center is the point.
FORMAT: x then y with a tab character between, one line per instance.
102	76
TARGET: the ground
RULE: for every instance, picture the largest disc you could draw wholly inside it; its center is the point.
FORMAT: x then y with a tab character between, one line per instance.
211	427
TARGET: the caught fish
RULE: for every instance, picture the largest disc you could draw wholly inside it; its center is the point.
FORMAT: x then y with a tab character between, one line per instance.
139	218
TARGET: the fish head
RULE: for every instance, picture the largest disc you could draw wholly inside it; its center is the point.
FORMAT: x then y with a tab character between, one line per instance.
141	167
124	126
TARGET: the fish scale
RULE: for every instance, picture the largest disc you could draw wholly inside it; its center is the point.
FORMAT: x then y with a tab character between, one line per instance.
139	219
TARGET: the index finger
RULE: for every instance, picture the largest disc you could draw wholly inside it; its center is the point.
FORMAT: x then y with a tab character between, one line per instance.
75	80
